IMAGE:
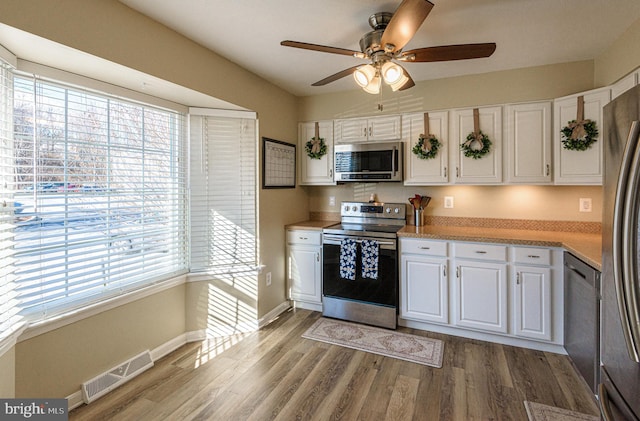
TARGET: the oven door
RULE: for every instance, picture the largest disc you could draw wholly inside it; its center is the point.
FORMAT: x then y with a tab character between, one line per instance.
382	291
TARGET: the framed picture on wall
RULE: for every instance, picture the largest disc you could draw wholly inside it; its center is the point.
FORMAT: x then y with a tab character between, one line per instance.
278	164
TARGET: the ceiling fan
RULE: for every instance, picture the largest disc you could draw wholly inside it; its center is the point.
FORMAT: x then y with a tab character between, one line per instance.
383	47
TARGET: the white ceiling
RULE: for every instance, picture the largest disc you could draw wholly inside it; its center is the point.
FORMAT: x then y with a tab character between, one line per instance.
527	33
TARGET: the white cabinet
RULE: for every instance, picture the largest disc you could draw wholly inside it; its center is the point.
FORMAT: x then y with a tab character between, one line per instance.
426	171
579	167
481	287
528	143
379	128
304	268
532	292
315	171
424	288
488	168
624	84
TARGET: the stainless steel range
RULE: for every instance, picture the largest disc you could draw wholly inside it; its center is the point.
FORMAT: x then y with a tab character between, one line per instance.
360	263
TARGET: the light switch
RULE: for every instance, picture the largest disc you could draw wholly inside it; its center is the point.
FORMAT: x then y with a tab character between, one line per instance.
585	204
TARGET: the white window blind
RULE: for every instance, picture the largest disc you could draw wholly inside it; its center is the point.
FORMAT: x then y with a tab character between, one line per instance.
223	194
9	318
101	184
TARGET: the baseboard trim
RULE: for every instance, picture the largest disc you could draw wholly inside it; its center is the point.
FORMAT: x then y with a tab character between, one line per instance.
273	314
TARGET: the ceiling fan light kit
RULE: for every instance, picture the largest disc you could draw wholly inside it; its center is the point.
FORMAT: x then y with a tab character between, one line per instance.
384	44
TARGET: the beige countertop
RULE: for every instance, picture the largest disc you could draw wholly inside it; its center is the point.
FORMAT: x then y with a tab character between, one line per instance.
587	247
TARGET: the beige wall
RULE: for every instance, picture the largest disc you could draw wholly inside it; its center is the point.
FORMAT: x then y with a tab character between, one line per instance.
56	363
8	374
620	58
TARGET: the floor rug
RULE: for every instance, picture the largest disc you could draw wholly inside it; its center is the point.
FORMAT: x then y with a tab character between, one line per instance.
540	412
388	343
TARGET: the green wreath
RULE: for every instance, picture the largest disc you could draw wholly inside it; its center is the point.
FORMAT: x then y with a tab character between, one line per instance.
579	135
473	138
426	152
316	148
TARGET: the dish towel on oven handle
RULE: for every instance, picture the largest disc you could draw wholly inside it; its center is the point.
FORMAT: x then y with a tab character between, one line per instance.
370	252
348	248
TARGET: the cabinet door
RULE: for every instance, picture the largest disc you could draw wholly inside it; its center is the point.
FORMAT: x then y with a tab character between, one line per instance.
315	171
305	273
425	171
578	167
424	292
384	128
351	130
532	302
481	296
528	143
487	169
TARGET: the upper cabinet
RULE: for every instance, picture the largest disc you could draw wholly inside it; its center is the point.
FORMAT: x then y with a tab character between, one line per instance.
314	171
528	143
573	166
624	84
426	171
379	128
486	169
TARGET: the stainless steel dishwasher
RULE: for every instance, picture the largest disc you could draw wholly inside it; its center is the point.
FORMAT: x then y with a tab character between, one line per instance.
582	318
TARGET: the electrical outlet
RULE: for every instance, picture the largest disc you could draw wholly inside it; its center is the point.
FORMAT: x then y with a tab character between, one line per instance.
448	202
332	200
268	279
585	204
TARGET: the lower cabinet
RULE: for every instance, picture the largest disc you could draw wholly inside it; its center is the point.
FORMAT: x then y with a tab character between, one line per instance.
304	268
496	292
481	295
424	288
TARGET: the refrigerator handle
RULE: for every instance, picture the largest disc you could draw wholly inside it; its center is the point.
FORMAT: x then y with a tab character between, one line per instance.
625	250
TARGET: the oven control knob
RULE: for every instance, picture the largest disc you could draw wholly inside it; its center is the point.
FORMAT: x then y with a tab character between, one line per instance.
388	210
346	208
396	210
354	208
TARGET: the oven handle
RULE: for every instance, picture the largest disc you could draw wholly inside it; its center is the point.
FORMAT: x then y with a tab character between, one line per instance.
336	241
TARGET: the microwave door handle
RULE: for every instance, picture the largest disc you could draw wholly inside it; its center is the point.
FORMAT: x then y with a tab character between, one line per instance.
394	157
630	247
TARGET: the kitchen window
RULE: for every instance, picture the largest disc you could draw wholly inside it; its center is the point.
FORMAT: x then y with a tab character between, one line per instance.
100	197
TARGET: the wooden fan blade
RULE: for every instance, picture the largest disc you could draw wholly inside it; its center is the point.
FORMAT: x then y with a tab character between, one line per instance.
409	84
448	52
321	48
405	23
333	78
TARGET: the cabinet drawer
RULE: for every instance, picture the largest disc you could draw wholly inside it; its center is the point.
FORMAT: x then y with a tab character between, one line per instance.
480	251
304	237
425	247
532	255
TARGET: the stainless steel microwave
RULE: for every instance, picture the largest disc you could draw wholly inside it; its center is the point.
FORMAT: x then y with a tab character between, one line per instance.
368	162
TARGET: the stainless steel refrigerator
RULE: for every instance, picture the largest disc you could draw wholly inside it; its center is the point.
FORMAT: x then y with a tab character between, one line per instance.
619	390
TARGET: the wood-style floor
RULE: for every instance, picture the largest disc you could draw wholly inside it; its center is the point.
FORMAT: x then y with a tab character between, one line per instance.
275	374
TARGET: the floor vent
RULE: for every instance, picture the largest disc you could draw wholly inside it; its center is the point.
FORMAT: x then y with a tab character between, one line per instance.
106	382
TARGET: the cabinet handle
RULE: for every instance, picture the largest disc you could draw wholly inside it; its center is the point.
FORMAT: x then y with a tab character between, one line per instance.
518	278
425	248
457	271
481	252
445	172
370	131
444	271
365	132
302	238
318	257
533	256
457	172
330	172
548	170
